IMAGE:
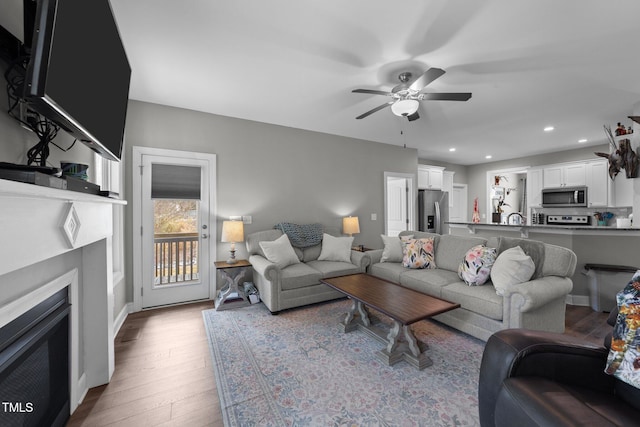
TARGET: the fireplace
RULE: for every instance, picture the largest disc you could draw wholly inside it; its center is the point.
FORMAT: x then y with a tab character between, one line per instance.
34	365
59	243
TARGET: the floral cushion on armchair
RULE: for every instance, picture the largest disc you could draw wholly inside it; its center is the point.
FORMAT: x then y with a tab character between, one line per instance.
475	268
418	253
624	357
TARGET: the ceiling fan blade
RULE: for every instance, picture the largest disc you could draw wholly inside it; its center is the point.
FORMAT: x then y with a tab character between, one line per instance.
445	96
372	92
414	116
430	75
378	108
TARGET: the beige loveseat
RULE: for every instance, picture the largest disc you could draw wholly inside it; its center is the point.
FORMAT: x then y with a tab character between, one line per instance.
297	284
536	304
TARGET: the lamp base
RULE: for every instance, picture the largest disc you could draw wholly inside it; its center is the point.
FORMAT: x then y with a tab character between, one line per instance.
232	257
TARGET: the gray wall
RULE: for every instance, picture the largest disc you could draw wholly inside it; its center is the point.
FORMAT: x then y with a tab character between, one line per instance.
273	173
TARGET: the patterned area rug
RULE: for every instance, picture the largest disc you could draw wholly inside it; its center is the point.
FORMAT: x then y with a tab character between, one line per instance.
299	369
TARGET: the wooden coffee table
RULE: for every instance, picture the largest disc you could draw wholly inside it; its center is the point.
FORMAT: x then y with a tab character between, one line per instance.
403	305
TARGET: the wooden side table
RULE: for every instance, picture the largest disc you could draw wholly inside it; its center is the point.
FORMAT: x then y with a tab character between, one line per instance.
232	295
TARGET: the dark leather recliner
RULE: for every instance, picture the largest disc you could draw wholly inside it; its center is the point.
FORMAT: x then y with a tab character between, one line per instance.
534	378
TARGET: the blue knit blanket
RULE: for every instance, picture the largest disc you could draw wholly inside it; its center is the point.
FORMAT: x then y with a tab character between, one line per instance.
302	236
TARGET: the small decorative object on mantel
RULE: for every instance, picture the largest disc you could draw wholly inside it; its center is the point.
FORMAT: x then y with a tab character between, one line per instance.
621	157
475	218
498	178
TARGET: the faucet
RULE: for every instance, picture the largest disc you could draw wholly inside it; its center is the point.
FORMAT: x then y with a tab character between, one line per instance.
520	221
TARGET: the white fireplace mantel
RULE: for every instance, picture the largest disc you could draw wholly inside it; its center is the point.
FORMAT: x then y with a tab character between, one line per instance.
43	230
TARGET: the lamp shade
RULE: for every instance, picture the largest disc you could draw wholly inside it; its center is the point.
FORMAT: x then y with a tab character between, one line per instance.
405	107
350	225
232	231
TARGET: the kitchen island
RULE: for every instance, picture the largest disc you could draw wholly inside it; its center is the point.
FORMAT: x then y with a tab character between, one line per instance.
591	244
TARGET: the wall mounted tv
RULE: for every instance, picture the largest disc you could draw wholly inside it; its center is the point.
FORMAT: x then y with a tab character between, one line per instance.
78	75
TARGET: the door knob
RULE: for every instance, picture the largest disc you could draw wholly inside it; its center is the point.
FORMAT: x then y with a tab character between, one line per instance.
204	236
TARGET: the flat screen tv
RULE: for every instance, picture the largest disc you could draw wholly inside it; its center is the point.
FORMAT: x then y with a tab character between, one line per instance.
78	75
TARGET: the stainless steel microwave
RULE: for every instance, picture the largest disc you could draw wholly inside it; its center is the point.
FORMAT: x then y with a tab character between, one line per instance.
564	197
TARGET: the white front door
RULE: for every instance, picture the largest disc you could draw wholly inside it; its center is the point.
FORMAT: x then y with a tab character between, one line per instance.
177	238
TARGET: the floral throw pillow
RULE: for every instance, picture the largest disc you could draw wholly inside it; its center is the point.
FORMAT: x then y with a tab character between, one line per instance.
475	268
418	253
623	361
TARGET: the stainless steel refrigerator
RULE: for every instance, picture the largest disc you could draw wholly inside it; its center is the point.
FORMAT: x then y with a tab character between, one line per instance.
433	211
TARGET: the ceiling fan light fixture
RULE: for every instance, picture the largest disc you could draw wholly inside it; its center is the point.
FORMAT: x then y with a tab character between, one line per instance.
405	107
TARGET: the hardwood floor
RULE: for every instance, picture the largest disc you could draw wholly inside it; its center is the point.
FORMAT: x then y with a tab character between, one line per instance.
163	374
164	377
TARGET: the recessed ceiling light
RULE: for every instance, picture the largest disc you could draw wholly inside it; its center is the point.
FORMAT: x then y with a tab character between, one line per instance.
548	128
488	156
452	149
582	141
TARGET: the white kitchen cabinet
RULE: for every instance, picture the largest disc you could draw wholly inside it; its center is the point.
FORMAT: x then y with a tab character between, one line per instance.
430	177
598	183
447	185
534	188
565	175
622	190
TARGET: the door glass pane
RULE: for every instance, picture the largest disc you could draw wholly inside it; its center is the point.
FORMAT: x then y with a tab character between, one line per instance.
176	241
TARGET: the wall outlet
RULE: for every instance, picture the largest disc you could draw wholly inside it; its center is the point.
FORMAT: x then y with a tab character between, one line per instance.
247	219
374	217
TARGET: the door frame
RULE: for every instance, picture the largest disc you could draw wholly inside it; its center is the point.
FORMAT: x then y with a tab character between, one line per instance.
411	198
136	178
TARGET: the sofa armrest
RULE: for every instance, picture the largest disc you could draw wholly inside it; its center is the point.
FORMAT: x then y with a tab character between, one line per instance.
360	259
522	352
539	292
264	267
375	255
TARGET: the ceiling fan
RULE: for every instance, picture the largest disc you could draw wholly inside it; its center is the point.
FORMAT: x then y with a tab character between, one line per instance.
408	93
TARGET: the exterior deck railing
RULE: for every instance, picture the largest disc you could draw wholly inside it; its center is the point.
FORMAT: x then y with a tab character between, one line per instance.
175	258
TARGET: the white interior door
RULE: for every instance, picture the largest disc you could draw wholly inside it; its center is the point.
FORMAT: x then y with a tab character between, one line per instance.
398	205
176	236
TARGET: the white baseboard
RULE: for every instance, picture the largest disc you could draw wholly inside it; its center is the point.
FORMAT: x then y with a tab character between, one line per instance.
581	300
82	392
122	316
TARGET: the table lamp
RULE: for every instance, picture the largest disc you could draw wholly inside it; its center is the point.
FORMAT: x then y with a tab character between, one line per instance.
232	232
350	225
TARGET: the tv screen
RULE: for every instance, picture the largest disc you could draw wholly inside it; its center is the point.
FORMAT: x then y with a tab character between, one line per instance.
78	75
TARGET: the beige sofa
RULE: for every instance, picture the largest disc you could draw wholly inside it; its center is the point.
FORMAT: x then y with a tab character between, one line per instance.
298	284
536	304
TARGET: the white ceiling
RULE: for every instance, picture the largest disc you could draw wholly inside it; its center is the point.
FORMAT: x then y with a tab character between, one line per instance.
572	64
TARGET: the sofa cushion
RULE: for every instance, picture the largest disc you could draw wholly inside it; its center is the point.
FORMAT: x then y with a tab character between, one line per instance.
478	299
429	282
451	249
392	251
334	268
512	267
418	253
335	248
280	252
298	276
533	248
475	267
390	271
311	253
253	240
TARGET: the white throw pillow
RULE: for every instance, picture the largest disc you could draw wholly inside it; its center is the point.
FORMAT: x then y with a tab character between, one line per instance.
511	267
335	248
392	251
279	251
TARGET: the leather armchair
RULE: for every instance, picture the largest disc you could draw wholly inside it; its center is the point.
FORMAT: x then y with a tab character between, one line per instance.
534	378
